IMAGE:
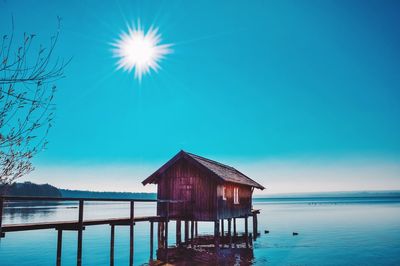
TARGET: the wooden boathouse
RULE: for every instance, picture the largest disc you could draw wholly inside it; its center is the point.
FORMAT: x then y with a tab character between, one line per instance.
204	190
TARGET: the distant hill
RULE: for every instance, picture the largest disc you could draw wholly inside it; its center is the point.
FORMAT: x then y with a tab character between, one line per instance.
98	194
32	190
337	194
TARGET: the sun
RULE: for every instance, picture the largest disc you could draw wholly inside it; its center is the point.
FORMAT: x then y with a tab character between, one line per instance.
140	51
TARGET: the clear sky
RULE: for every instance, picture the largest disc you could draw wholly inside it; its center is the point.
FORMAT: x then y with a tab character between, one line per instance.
300	95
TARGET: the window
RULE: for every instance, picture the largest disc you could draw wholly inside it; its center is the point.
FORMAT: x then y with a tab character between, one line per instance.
236	195
224	193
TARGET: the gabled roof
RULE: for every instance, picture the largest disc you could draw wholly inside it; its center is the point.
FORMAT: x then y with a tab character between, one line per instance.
224	172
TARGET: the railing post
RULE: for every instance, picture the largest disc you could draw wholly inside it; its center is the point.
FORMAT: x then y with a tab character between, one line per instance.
80	232
59	247
131	242
112	245
1	216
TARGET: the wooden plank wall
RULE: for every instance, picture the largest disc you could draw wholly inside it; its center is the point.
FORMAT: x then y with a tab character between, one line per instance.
183	181
227	208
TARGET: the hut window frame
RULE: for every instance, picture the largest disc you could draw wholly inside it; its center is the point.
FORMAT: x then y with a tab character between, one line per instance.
224	192
236	195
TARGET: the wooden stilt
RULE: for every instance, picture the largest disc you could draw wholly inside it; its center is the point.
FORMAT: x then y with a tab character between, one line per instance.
234	228
246	231
186	232
160	235
166	241
222	228
80	234
178	232
166	234
112	245
151	239
191	231
216	235
59	247
255	225
131	234
230	231
1	216
196	229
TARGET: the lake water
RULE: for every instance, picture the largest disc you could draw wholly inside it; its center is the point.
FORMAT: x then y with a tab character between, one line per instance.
332	231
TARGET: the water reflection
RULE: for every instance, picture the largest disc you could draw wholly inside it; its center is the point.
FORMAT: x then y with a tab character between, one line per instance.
201	251
24	211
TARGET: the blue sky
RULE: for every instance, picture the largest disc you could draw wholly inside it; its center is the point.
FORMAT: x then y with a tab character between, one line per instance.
309	87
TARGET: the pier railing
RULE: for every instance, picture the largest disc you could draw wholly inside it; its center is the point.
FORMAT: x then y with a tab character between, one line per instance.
79	224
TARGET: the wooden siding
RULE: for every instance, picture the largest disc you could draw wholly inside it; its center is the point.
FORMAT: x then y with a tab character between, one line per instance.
227	208
201	192
183	181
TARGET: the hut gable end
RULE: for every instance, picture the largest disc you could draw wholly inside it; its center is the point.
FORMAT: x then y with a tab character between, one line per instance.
218	170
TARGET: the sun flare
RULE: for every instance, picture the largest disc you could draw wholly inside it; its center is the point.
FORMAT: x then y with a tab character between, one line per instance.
140	51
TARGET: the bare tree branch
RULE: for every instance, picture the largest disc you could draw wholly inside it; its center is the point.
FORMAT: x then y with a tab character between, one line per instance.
27	90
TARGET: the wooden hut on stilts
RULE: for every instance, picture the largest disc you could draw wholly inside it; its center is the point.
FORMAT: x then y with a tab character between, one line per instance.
192	189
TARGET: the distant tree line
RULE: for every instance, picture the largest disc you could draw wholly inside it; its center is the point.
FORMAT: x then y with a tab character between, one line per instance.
32	190
46	190
97	194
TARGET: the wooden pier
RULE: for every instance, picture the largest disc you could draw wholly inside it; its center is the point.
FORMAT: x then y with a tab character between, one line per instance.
190	227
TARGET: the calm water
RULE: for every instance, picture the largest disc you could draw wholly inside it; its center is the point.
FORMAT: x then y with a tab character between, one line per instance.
332	231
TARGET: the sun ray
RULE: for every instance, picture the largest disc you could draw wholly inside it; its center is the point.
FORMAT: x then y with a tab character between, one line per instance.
140	51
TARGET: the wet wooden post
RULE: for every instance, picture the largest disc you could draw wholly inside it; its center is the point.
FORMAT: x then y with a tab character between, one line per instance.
255	225
166	234
160	234
246	231
151	239
196	231
131	231
1	216
59	247
230	231
80	234
216	235
191	231
178	232
186	232
112	245
234	228
222	228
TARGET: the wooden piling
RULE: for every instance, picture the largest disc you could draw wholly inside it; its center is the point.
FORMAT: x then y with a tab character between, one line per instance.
230	231
112	245
191	231
246	230
80	234
234	228
131	233
178	232
222	228
186	232
255	225
160	234
59	247
1	216
151	239
196	231
216	235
